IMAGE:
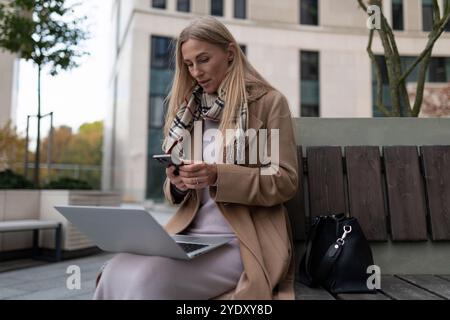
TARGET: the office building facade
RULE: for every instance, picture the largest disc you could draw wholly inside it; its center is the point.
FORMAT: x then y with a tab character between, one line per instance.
313	51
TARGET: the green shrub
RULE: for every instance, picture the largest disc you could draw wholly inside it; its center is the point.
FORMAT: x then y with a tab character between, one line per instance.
11	180
68	183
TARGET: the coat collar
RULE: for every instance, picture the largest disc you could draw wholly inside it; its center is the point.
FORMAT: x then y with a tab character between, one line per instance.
255	92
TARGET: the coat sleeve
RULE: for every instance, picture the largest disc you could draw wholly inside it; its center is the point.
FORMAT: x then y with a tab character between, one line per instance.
247	185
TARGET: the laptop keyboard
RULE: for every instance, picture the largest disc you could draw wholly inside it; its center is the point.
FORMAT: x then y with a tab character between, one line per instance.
189	247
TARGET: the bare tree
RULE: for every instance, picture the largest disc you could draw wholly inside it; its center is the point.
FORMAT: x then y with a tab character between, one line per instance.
47	33
396	75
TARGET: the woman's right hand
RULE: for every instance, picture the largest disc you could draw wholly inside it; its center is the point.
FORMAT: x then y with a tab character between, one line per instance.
175	180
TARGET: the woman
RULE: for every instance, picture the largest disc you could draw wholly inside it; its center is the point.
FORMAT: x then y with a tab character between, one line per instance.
215	84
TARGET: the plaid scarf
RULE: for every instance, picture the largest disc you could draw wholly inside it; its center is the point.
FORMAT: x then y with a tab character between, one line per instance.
198	106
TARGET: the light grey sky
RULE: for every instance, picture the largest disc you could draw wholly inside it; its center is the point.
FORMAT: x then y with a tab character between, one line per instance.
75	96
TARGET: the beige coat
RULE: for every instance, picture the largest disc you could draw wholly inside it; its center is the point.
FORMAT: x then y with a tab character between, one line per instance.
253	206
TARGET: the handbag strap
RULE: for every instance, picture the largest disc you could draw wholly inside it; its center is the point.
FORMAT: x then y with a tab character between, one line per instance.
328	261
331	256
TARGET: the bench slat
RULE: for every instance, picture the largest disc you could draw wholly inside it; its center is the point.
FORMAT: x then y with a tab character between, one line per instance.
326	180
296	206
429	282
362	296
402	290
303	292
366	202
436	166
406	200
445	277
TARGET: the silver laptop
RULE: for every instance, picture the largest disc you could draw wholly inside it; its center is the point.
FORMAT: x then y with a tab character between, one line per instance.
130	230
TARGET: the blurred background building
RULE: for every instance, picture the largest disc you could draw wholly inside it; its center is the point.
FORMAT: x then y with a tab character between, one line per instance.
9	77
8	87
313	51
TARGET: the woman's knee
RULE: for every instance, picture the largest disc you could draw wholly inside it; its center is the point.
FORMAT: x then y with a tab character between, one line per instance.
158	277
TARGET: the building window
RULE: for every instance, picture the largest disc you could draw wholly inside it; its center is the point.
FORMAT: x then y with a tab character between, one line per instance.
438	72
156	115
397	15
160	52
240	9
217	8
184	5
309	12
161	75
427	15
447	68
438	69
309	84
160	4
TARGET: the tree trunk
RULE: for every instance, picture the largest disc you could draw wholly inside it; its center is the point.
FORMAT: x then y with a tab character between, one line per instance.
38	139
396	77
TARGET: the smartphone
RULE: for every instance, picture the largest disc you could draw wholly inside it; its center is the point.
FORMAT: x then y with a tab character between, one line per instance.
166	160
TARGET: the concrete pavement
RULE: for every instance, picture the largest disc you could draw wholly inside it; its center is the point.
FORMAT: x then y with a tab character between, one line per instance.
37	280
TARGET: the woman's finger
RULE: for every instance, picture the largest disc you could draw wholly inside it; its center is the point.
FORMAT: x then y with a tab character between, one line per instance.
192	168
196	186
193	183
189	174
181	186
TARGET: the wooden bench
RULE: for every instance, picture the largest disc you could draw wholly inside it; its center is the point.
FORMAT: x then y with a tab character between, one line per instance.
36	226
400	196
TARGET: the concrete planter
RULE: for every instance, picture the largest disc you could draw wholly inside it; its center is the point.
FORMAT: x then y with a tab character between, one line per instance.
72	239
16	205
38	204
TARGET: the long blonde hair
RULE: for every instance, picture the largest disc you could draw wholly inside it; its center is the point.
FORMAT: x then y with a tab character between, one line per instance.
239	75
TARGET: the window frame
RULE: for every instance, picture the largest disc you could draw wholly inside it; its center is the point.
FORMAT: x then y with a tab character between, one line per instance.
235	15
315	20
156	7
402	13
188	6
222	8
305	108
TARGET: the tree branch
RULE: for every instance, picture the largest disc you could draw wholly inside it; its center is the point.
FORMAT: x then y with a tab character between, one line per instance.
397	78
436	11
391	55
433	36
379	77
424	57
421	84
390	65
362	5
397	65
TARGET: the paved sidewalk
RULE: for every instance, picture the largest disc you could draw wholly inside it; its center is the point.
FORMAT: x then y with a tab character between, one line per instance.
36	280
48	282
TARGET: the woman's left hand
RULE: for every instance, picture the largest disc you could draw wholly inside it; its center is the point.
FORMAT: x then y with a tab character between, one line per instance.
198	175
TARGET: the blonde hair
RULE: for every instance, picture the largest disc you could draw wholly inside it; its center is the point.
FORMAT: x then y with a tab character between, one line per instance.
239	75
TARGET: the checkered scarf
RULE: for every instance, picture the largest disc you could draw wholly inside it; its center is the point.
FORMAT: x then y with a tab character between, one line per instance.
201	105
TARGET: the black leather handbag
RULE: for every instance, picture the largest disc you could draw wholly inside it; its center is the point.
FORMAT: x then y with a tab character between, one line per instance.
337	256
